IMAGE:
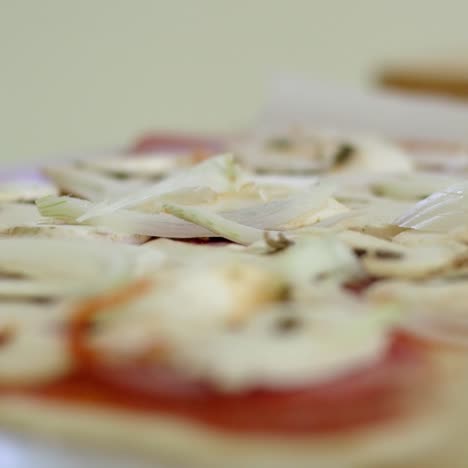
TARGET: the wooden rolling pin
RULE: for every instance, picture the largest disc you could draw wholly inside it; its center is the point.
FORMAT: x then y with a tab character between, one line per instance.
443	78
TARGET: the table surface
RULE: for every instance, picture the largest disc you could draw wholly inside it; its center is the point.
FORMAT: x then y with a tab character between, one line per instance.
24	452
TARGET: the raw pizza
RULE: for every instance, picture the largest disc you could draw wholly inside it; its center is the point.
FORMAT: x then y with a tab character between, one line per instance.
294	299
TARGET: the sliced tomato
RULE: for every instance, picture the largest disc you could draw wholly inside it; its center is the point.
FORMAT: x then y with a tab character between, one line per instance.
178	143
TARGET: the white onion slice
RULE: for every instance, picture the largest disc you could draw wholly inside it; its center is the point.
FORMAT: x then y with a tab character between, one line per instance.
71	231
217	224
132	222
87	184
39	288
14	214
410	186
275	213
312	258
24	190
152	165
86	266
411	263
440	212
220	174
269	215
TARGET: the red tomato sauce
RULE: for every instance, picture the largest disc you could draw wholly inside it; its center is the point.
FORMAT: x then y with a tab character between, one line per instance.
359	286
371	395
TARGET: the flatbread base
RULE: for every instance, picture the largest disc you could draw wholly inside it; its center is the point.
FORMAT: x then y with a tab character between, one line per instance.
434	439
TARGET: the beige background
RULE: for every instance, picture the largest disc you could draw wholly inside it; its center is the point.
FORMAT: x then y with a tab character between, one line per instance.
87	73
